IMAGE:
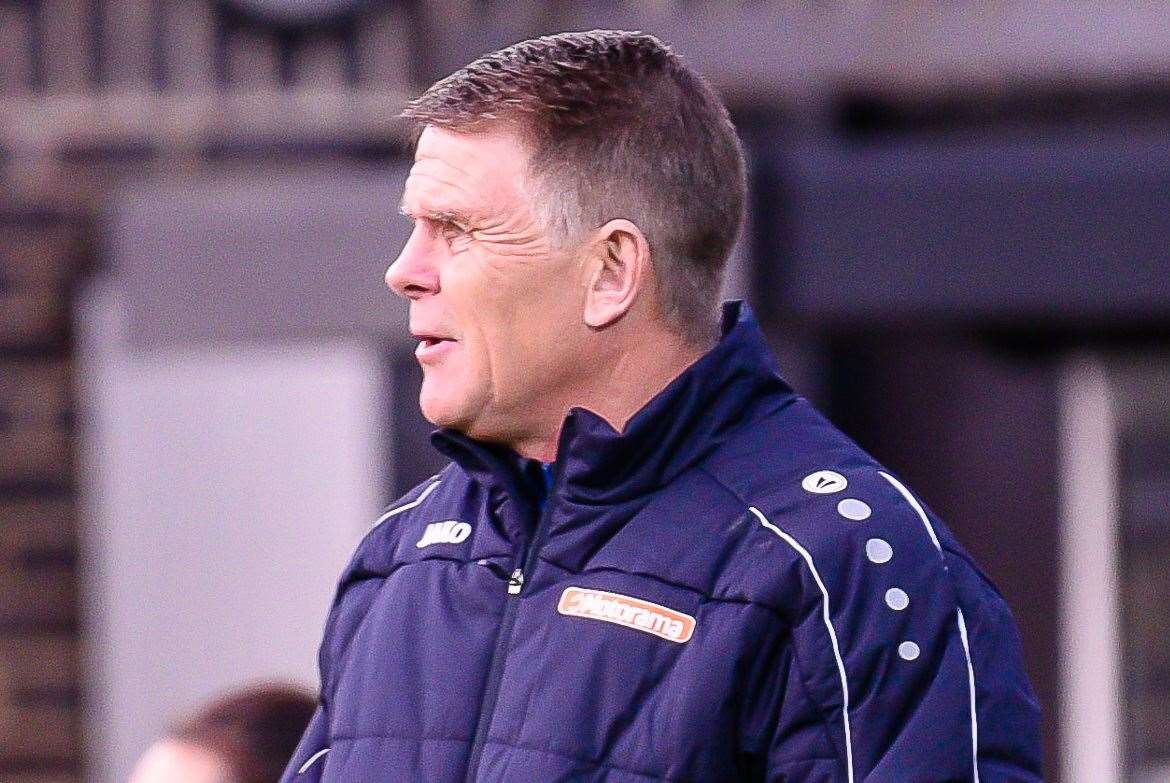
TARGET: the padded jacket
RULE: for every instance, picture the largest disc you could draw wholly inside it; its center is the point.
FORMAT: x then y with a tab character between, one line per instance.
728	590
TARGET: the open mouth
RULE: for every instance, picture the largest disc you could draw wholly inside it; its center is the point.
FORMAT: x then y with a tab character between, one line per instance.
431	346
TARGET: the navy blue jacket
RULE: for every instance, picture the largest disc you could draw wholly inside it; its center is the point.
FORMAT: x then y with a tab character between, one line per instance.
729	590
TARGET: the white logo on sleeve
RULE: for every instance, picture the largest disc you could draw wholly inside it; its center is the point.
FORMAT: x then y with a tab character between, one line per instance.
449	532
824	482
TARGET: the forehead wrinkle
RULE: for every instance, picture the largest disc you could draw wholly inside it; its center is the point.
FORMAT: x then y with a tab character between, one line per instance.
436	197
433	197
429	181
443	170
469	178
444	162
473	166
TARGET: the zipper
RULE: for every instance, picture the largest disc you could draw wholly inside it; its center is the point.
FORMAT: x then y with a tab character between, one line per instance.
496	672
516	582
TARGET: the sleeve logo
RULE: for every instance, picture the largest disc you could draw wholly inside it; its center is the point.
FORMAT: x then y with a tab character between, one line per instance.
824	482
654	619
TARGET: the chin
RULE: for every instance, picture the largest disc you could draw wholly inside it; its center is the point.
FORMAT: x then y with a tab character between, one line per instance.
437	412
453	403
445	410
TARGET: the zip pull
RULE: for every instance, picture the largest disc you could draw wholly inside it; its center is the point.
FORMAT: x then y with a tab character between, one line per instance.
516	582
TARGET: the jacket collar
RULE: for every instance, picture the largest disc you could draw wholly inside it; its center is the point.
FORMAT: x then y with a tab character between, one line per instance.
683	423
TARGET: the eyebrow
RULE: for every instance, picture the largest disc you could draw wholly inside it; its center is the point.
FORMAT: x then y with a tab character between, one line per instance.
439	215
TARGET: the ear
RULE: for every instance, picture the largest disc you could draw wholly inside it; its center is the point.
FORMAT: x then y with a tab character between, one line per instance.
618	269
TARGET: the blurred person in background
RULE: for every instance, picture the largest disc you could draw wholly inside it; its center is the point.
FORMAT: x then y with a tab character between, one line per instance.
246	736
649	559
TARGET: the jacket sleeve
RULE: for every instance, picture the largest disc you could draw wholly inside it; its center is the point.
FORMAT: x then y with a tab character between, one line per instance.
308	760
900	657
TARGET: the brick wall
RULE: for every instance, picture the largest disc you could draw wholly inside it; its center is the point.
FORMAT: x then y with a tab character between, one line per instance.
39	640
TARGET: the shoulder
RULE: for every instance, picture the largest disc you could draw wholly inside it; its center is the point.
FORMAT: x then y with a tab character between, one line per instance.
845	535
887	618
446	491
826	519
852	525
411	500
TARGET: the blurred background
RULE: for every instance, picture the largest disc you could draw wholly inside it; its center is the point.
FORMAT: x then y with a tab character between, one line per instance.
959	244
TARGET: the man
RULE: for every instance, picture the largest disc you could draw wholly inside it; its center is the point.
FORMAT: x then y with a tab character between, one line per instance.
649	559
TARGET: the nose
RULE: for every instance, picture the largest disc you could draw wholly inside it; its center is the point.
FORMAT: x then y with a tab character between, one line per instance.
414	274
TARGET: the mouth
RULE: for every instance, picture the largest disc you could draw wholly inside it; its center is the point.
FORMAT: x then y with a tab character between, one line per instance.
429	338
431	347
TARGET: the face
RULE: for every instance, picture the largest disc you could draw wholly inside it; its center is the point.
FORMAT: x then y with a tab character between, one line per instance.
175	762
496	308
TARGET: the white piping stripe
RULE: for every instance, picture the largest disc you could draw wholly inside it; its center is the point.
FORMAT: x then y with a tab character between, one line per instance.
406	506
305	767
905	493
829	626
915	505
971	686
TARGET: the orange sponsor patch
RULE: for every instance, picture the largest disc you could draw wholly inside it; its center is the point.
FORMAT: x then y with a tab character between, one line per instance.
661	621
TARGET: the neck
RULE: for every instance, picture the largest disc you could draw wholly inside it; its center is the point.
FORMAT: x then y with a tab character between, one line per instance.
618	386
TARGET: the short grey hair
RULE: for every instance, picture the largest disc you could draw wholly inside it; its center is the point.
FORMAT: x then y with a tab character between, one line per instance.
618	127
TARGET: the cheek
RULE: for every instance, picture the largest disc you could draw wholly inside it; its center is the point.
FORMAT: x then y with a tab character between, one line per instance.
489	308
516	316
532	348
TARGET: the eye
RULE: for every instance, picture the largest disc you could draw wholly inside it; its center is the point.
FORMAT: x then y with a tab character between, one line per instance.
451	230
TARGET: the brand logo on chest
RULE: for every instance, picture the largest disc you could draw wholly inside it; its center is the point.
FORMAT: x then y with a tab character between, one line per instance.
660	621
450	532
